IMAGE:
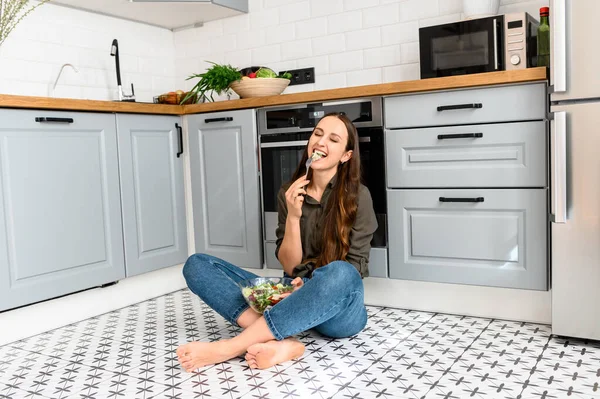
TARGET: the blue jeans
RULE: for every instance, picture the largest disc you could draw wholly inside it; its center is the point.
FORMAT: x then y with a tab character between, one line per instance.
331	302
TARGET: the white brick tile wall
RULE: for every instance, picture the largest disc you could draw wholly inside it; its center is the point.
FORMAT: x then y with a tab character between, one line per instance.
320	8
239	58
221	44
315	27
364	77
237	24
409	53
401	73
450	6
364	38
382	56
266	54
400	33
331	81
444	19
349	42
280	33
264	18
329	44
276	3
321	65
381	15
249	40
296	49
345	22
294	12
411	10
357	4
349	61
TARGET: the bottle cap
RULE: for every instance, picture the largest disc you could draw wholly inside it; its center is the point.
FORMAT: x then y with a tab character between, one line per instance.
544	11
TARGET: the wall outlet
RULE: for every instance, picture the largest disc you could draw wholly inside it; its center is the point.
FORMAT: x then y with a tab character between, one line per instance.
302	76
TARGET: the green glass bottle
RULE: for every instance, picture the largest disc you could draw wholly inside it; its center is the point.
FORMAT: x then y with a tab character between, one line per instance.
543	38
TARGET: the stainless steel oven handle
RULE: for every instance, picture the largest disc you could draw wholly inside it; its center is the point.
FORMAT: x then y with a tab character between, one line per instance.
284	144
495	44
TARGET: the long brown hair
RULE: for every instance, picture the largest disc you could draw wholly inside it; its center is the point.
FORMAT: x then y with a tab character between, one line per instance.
341	207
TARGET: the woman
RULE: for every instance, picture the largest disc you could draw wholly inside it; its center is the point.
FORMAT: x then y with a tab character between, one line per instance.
323	239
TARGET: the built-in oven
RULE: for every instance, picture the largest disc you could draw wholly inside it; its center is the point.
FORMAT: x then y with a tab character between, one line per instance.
283	136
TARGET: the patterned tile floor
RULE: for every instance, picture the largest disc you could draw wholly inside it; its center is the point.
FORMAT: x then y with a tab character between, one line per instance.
129	353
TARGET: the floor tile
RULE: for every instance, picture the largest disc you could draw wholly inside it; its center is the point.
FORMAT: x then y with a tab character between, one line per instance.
569	366
23	371
130	353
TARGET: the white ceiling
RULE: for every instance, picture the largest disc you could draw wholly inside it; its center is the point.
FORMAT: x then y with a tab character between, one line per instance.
170	15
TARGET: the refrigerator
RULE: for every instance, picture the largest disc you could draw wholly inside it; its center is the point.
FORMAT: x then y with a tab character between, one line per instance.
575	168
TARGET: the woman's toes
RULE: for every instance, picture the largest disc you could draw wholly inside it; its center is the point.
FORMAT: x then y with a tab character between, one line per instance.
255	349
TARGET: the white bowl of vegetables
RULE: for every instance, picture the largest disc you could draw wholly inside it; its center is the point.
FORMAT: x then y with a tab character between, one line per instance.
262	83
262	293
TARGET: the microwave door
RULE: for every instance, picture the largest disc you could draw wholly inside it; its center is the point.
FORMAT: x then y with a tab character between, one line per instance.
461	48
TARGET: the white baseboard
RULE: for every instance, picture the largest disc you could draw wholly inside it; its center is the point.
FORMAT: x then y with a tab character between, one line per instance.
468	300
499	303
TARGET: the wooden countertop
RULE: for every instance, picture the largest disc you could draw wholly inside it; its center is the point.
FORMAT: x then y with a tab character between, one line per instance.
413	86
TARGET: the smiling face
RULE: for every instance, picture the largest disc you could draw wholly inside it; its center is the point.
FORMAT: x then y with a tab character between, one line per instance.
330	139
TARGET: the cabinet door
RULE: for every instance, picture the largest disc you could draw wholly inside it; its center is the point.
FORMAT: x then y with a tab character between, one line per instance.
498	241
224	171
60	213
152	191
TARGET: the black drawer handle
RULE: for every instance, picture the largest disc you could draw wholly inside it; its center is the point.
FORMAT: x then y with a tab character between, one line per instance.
477	199
53	120
180	140
459	106
460	136
224	119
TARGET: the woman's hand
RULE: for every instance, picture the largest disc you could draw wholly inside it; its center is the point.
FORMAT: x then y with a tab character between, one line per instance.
294	198
297	283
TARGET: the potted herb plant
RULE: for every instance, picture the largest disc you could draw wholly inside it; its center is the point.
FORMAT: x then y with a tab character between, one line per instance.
216	79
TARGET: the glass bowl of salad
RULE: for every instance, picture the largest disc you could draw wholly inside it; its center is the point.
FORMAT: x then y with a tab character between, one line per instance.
264	292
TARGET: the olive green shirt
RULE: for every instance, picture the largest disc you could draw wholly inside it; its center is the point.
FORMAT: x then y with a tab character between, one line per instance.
312	221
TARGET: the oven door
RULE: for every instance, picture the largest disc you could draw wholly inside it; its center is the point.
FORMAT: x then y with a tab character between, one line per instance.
461	48
280	155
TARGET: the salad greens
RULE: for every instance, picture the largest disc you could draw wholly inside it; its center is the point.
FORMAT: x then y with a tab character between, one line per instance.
266	294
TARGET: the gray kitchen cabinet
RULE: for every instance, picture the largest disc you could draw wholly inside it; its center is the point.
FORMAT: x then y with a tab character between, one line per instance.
152	191
499	239
469	106
225	193
491	155
60	211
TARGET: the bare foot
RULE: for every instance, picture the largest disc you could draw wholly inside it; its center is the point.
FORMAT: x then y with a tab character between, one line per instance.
194	355
263	356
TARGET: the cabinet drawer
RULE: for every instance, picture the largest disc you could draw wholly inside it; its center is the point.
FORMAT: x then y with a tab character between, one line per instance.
497	155
493	104
499	242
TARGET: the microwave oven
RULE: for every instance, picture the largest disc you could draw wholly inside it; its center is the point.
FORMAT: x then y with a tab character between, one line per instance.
501	42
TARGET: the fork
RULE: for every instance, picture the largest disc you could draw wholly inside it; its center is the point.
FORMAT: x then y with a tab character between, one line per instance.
309	162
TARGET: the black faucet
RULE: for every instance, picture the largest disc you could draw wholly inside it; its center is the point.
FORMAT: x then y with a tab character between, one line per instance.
114	51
